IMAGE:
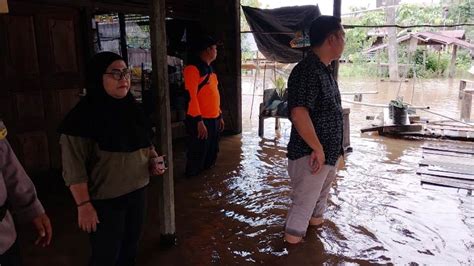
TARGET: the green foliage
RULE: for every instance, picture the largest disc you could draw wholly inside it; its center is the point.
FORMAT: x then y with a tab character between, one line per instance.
244	26
357	70
437	62
447	12
247	53
410	14
280	85
357	39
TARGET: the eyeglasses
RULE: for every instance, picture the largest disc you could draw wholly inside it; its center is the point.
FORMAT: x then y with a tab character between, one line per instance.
118	75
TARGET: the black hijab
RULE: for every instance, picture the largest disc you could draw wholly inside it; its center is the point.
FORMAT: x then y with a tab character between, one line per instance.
117	125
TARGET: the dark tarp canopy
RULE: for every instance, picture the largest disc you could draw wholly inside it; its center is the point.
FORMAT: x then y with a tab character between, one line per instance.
273	29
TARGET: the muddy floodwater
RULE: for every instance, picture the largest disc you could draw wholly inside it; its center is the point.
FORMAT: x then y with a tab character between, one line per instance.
378	212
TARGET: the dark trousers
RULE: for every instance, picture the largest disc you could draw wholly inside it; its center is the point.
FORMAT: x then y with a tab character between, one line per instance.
121	222
11	257
202	153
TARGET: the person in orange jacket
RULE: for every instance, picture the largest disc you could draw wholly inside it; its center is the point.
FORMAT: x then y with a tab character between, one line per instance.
204	117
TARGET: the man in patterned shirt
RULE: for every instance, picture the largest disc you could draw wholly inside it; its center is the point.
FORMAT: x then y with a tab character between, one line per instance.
315	110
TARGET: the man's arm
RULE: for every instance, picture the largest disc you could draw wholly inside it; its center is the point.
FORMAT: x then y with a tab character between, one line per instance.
303	124
191	82
22	194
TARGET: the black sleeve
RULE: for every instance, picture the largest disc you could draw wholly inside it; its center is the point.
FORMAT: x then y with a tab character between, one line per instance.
303	89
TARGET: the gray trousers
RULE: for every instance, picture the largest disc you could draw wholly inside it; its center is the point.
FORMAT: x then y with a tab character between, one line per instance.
309	194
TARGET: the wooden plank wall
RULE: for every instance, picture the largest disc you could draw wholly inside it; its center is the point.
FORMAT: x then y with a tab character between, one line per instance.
224	24
41	74
44	45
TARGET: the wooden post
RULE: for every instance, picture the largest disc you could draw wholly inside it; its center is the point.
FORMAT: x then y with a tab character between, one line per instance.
123	37
257	71
3	7
452	66
439	58
424	59
379	68
346	140
411	52
392	45
462	86
466	107
336	11
163	120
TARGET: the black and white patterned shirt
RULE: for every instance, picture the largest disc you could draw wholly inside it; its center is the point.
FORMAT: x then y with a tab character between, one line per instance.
312	85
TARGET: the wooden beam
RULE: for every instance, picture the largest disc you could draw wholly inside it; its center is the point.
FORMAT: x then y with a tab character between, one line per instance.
392	45
336	11
163	120
96	5
466	106
452	66
123	37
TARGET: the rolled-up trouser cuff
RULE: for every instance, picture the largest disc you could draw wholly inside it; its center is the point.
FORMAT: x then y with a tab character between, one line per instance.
295	232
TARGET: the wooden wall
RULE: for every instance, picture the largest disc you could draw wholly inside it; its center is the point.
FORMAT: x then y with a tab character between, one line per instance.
41	66
43	47
225	22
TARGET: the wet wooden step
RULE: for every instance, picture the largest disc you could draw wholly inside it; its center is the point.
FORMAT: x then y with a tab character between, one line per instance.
448	154
458	165
439	172
448	148
447	182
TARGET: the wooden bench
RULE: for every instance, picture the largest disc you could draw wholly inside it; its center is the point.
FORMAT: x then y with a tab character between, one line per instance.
346	142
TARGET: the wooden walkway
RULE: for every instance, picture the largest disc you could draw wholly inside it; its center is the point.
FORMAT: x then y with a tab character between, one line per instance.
439	130
448	165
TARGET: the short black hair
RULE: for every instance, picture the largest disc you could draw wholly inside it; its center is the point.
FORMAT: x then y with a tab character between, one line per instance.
322	27
201	43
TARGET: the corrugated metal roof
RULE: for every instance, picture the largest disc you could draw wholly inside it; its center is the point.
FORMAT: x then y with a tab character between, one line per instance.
433	38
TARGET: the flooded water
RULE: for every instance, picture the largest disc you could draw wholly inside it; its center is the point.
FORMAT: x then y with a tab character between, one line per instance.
378	212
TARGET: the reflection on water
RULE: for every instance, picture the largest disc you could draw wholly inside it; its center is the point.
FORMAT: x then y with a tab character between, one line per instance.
378	211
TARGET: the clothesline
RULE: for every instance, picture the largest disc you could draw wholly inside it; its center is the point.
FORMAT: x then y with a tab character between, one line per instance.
349	26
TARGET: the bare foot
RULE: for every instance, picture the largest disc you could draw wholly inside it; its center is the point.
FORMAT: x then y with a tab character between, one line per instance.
316	221
293	239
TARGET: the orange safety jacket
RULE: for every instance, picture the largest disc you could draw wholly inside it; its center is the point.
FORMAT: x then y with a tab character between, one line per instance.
206	102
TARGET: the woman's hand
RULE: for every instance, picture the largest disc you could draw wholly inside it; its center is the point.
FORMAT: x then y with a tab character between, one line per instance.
43	227
157	165
87	218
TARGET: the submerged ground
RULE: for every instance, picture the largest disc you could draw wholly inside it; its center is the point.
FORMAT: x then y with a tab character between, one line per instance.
234	214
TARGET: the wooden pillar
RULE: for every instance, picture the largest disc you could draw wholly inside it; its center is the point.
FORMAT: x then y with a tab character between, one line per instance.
466	106
346	140
452	66
439	59
336	11
123	37
3	7
462	86
392	45
424	59
163	120
411	61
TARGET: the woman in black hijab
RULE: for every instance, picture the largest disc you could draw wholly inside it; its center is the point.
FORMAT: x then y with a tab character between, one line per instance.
107	157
